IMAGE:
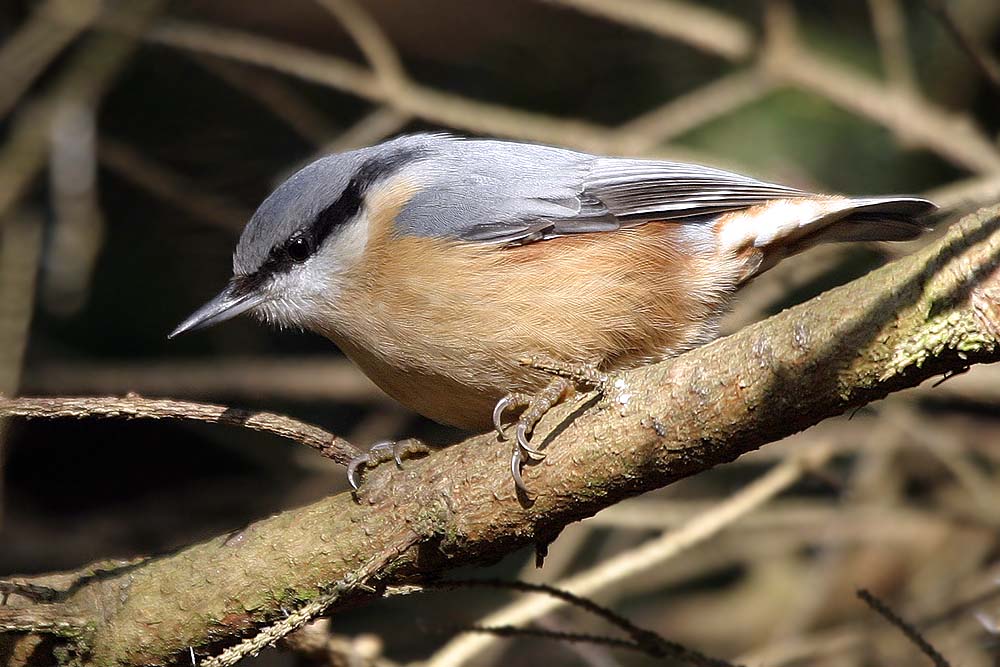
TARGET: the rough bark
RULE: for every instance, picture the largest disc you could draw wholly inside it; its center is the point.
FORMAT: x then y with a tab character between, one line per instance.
934	312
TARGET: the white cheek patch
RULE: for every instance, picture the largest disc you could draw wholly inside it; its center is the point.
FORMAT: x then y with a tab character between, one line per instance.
307	292
342	251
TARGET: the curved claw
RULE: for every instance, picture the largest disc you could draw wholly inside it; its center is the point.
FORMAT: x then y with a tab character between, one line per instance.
352	470
515	470
498	411
524	445
357	462
397	452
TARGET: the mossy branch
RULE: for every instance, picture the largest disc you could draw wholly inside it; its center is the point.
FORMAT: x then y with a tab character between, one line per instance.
934	312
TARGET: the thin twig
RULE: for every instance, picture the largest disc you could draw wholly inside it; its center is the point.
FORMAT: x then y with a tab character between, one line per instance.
583	603
508	631
300	617
890	31
42	619
963	606
967	194
805	650
436	106
951	136
370	39
136	407
85	78
911	632
318	645
444	108
591	655
172	187
273	94
27	53
980	57
686	112
809	520
371	129
889	23
76	236
703	28
644	640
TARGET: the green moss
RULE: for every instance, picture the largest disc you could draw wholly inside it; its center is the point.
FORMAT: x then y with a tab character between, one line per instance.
956	330
434	520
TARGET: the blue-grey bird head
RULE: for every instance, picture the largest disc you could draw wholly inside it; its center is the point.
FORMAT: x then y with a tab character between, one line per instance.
307	231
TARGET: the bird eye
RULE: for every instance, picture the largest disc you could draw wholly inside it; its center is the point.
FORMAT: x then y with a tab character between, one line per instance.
298	248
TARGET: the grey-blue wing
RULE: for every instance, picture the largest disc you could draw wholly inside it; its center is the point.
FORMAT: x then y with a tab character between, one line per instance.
652	190
508	193
616	193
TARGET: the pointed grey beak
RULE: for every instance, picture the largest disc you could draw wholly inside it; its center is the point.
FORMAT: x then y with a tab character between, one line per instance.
229	303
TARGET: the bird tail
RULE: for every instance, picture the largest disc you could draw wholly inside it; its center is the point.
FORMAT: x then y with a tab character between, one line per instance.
769	232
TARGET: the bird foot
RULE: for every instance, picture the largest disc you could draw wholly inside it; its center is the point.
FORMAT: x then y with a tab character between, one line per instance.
536	406
381	452
587	375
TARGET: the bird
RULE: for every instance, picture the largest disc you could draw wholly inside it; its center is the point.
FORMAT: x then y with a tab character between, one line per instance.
439	263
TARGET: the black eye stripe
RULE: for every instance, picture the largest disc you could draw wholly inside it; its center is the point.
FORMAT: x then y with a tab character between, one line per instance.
283	257
343	209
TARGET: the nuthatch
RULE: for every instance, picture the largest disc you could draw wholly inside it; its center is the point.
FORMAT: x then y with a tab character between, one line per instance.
438	264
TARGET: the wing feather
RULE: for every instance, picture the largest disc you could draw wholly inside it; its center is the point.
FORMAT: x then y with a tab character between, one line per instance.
498	192
648	189
488	191
613	193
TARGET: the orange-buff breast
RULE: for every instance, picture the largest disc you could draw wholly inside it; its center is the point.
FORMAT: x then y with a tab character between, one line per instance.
442	326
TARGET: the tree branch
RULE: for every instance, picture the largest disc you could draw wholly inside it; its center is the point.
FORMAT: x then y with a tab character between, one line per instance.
703	28
136	407
935	311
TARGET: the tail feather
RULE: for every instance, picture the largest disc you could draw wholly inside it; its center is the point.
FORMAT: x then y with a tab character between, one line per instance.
869	227
874	219
769	232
